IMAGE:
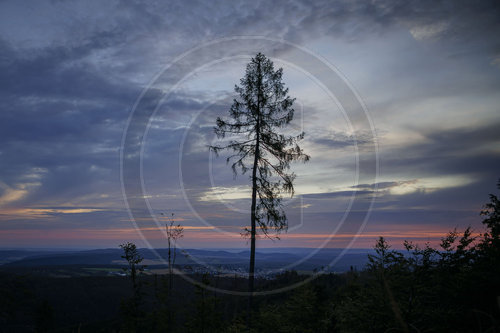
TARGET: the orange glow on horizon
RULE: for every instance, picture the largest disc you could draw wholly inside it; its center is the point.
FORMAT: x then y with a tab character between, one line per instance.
210	236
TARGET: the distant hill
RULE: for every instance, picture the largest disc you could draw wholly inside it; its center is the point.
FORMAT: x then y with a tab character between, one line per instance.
266	259
7	256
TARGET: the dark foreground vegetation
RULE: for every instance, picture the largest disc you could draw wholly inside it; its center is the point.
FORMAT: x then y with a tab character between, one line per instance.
455	288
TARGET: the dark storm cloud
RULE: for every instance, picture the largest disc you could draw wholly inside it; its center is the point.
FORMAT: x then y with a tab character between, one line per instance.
423	209
440	209
67	119
463	152
468	150
465	20
339	140
58	72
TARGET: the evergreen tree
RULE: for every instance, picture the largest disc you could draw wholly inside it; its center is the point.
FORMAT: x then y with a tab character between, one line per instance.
263	107
491	212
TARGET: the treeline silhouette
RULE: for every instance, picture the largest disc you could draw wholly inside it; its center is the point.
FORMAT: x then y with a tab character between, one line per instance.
452	288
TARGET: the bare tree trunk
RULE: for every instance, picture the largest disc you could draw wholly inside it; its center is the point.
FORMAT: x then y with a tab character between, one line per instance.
169	266
253	219
251	272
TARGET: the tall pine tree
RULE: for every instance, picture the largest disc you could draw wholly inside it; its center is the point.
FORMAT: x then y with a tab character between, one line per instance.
256	116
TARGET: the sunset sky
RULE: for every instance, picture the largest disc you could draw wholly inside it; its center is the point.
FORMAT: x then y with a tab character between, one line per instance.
73	73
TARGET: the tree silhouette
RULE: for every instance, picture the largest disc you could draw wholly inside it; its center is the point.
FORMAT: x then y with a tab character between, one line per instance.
491	212
262	108
174	233
130	308
133	257
452	288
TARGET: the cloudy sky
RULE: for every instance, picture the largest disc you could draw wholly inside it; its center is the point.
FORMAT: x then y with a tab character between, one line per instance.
75	75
